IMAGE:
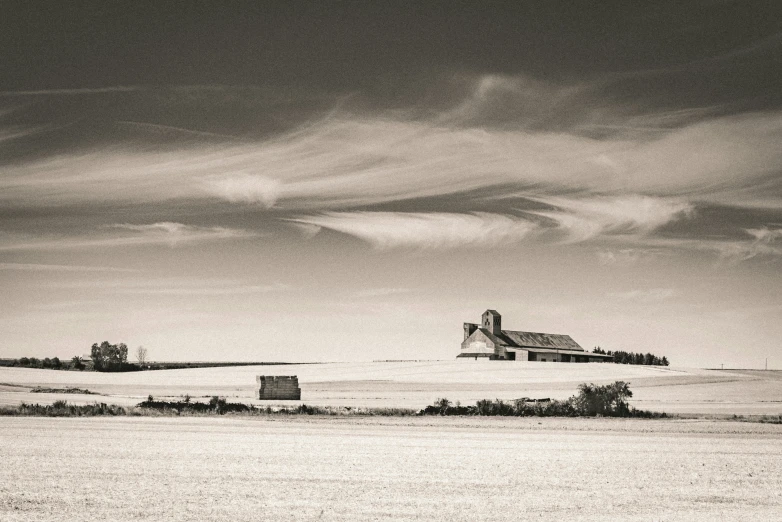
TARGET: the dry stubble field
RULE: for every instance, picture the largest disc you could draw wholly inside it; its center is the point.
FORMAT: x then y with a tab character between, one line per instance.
418	384
322	468
354	468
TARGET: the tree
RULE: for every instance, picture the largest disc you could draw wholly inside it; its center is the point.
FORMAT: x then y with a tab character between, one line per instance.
96	354
122	354
77	363
141	355
603	400
109	357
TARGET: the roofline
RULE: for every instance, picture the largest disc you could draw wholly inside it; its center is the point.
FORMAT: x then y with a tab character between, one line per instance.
559	350
521	332
536	333
499	341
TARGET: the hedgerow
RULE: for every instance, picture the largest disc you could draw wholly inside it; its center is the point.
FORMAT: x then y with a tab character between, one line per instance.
609	400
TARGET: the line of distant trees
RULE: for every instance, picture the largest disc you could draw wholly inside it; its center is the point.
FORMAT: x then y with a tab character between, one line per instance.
104	357
76	363
32	362
643	359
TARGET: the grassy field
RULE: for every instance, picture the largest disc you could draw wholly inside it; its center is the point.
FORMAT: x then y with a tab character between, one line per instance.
417	384
323	468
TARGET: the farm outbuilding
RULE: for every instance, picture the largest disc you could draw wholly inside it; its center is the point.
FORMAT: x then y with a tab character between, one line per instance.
489	340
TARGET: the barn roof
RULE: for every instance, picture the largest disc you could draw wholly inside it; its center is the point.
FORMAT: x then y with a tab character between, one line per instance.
561	350
517	339
493	338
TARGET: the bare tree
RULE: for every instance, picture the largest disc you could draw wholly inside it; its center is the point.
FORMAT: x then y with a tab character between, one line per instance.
141	355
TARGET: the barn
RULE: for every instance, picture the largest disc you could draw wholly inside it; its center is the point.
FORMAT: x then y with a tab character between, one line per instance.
489	340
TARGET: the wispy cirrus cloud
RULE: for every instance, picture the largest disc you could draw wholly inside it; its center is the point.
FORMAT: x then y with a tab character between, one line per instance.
205	290
364	158
162	233
765	235
21	131
174	286
382	292
766	242
73	92
174	234
501	135
36	267
245	189
749	244
158	128
645	295
424	230
586	218
625	256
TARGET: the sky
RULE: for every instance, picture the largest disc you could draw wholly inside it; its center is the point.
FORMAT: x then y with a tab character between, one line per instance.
334	181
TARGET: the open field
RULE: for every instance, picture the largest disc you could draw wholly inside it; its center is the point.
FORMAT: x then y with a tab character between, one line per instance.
305	468
417	384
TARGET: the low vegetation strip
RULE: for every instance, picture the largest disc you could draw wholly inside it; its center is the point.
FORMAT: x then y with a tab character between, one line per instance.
215	406
218	405
609	400
591	401
83	391
522	408
63	409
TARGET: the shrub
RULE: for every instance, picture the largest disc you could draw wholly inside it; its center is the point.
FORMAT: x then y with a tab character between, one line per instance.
77	363
304	409
218	403
215	405
63	409
610	399
592	400
443	407
494	408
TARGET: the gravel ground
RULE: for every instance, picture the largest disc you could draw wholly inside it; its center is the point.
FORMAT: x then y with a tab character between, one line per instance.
322	468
